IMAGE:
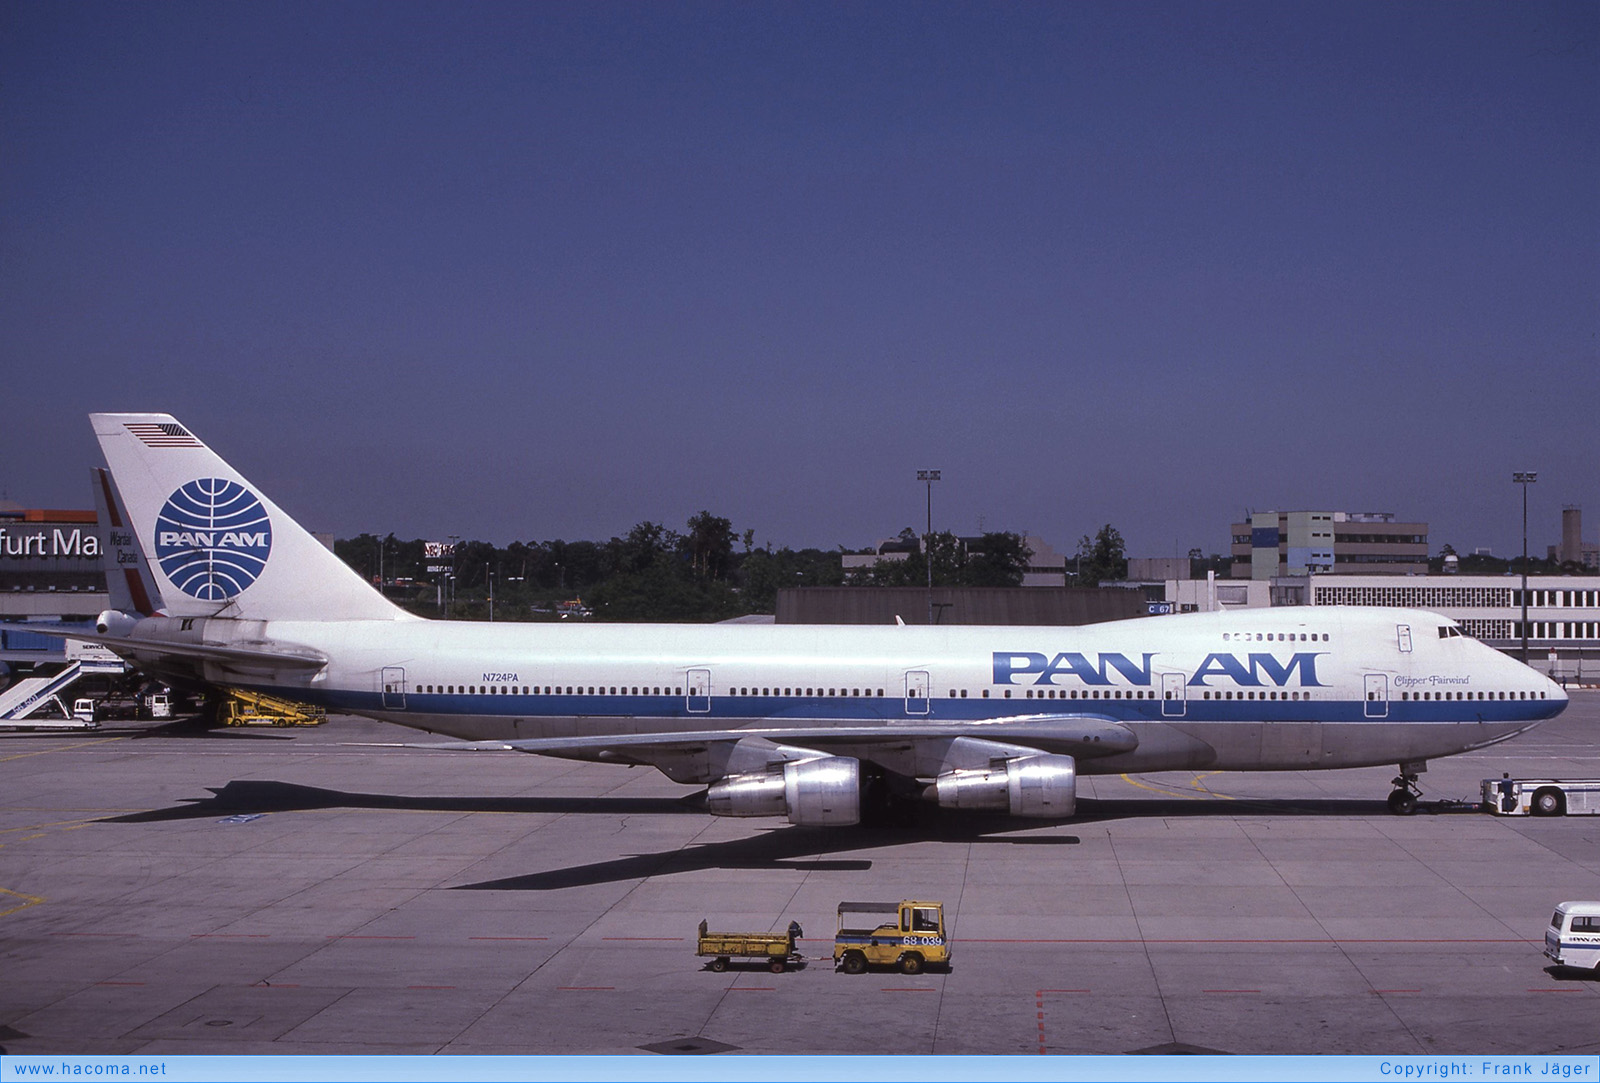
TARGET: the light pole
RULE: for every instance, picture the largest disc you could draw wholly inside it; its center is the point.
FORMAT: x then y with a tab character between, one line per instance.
1525	478
929	476
383	551
451	597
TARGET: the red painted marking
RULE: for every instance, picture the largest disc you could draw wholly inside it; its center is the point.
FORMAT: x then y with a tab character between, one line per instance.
586	988
1230	990
1044	991
907	989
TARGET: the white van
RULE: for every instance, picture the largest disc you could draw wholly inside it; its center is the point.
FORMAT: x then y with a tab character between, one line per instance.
160	705
83	710
1573	938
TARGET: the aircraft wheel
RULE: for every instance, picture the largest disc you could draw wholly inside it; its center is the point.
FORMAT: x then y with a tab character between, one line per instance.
719	964
1402	802
854	963
1547	803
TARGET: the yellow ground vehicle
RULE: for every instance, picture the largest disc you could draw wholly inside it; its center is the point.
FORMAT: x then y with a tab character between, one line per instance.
241	708
777	948
913	939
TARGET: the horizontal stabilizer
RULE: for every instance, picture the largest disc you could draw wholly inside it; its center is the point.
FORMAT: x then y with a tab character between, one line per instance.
275	655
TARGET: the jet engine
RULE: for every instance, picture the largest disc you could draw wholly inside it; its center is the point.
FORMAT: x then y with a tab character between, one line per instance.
1041	786
114	622
822	792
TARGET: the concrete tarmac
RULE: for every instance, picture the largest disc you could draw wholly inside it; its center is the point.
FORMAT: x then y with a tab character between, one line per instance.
296	891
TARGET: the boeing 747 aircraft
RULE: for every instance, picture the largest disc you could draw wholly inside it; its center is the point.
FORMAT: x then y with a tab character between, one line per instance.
794	720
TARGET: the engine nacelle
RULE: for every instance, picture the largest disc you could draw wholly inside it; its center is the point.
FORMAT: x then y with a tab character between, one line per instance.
114	622
1041	786
823	792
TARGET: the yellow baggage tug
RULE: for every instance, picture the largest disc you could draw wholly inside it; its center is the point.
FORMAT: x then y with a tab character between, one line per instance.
913	940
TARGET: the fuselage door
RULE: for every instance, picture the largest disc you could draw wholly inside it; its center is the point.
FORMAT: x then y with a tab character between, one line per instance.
394	688
698	700
917	691
1403	634
1377	704
1172	702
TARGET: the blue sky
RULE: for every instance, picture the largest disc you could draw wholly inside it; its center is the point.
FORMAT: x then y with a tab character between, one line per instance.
529	271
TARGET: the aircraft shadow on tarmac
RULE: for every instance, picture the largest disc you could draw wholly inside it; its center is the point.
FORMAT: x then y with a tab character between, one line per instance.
793	849
251	795
780	848
808	849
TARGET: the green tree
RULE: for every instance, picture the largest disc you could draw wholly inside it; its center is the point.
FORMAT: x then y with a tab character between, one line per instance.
710	542
1101	557
1001	560
764	572
995	560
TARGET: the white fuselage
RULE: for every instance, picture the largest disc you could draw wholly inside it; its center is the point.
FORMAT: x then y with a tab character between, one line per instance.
1250	690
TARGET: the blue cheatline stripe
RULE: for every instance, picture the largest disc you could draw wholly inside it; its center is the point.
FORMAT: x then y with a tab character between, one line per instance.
867	710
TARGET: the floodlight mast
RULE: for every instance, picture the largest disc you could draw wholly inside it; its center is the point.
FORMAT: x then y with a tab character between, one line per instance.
929	476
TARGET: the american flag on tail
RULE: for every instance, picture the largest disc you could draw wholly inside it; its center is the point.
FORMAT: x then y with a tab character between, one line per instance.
153	434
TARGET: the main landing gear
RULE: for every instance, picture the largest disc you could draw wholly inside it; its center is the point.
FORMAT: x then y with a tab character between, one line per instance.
1403	801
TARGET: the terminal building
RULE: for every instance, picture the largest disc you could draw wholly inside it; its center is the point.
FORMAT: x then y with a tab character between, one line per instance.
50	571
50	564
1562	624
1274	544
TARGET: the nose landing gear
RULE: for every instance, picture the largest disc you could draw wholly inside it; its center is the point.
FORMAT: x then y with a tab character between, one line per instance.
1403	801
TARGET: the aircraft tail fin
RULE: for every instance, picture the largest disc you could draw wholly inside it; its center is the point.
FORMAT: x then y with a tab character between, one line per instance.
215	547
129	585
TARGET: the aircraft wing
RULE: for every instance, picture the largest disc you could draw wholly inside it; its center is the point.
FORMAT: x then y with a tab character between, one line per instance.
1077	734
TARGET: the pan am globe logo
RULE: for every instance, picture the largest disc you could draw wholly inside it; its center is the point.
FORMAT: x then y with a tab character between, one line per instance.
212	539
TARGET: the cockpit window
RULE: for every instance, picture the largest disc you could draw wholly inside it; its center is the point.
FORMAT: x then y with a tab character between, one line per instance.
1449	631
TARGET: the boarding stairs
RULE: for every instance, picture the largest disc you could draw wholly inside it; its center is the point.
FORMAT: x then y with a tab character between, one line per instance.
21	700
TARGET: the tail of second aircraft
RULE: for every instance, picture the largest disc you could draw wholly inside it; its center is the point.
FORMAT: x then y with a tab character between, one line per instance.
215	547
130	587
